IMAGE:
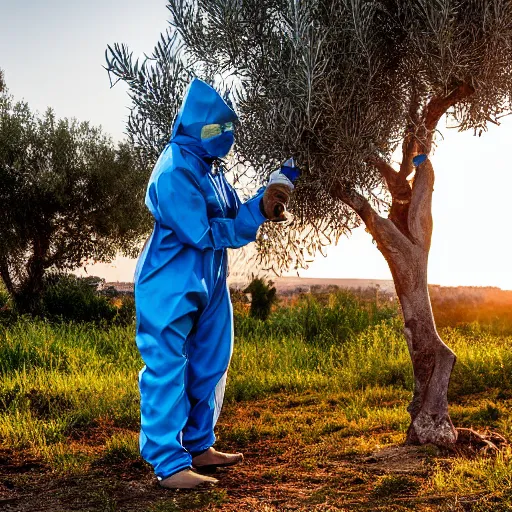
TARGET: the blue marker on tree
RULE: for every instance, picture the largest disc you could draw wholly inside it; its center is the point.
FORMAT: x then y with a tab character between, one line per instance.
419	159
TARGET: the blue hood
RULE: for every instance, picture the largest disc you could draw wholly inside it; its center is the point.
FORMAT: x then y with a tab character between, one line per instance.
201	105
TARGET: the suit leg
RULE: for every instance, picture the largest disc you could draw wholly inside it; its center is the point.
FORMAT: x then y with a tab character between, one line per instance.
162	342
210	350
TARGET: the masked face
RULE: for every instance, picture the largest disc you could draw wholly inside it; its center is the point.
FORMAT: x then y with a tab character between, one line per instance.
217	139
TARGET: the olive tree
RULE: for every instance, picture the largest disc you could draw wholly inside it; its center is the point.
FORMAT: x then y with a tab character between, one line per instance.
67	196
342	85
156	87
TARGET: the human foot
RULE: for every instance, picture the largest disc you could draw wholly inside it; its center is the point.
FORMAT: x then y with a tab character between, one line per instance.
211	458
187	479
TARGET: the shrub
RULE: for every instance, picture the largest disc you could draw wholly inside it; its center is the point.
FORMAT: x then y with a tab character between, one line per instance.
126	312
263	296
70	298
7	314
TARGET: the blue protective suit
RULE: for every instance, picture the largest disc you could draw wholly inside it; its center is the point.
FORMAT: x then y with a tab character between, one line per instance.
184	326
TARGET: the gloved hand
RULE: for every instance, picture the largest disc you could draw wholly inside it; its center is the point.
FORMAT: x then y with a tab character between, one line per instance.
290	170
278	191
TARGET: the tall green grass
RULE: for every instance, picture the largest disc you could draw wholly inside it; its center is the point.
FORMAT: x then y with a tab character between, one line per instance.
61	381
377	356
321	318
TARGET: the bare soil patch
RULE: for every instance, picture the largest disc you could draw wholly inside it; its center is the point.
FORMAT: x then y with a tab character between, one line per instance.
296	459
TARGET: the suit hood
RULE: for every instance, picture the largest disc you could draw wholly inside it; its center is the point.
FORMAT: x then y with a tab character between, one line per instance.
201	105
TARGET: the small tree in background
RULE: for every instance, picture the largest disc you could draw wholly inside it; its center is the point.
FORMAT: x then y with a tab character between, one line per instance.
67	196
341	84
263	296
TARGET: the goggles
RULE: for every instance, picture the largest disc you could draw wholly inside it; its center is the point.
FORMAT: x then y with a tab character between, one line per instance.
209	131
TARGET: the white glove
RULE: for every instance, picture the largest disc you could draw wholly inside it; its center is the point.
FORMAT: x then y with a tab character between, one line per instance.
276	197
278	178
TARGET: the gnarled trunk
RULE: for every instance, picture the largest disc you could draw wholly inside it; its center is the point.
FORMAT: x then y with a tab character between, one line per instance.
406	251
404	240
432	360
25	281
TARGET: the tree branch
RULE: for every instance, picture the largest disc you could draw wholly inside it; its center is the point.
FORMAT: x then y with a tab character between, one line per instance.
410	142
356	201
398	187
433	112
387	235
420	211
400	192
438	106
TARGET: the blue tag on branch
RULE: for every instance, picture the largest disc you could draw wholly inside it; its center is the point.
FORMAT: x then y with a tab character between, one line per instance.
419	159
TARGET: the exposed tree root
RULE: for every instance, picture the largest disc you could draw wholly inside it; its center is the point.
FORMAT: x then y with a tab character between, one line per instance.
471	442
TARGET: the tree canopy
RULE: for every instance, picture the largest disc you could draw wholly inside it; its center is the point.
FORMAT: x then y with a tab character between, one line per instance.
67	196
156	88
339	84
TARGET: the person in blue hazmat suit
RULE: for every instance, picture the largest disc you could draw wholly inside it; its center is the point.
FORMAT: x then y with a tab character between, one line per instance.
184	328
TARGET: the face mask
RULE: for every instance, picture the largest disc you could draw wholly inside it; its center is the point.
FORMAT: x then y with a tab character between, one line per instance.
217	139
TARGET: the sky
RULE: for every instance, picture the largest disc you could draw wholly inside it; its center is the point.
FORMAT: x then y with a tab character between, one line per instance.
52	53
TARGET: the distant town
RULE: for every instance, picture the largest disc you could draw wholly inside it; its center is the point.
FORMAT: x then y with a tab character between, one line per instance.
291	284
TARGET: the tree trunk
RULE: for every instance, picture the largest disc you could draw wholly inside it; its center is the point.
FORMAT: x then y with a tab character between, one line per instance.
5	276
27	295
404	240
432	360
405	243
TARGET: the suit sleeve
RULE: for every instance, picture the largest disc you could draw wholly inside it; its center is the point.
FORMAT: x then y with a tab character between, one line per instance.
182	208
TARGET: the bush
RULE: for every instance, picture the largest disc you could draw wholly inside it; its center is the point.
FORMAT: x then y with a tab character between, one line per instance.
70	298
263	296
126	312
4	297
7	314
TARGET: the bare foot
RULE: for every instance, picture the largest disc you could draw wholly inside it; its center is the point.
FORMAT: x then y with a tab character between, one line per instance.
212	458
186	479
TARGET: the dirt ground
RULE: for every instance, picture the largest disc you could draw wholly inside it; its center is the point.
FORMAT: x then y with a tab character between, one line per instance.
281	472
263	483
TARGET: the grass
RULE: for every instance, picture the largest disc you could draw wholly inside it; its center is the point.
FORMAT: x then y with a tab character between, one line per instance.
485	483
395	485
325	381
485	474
